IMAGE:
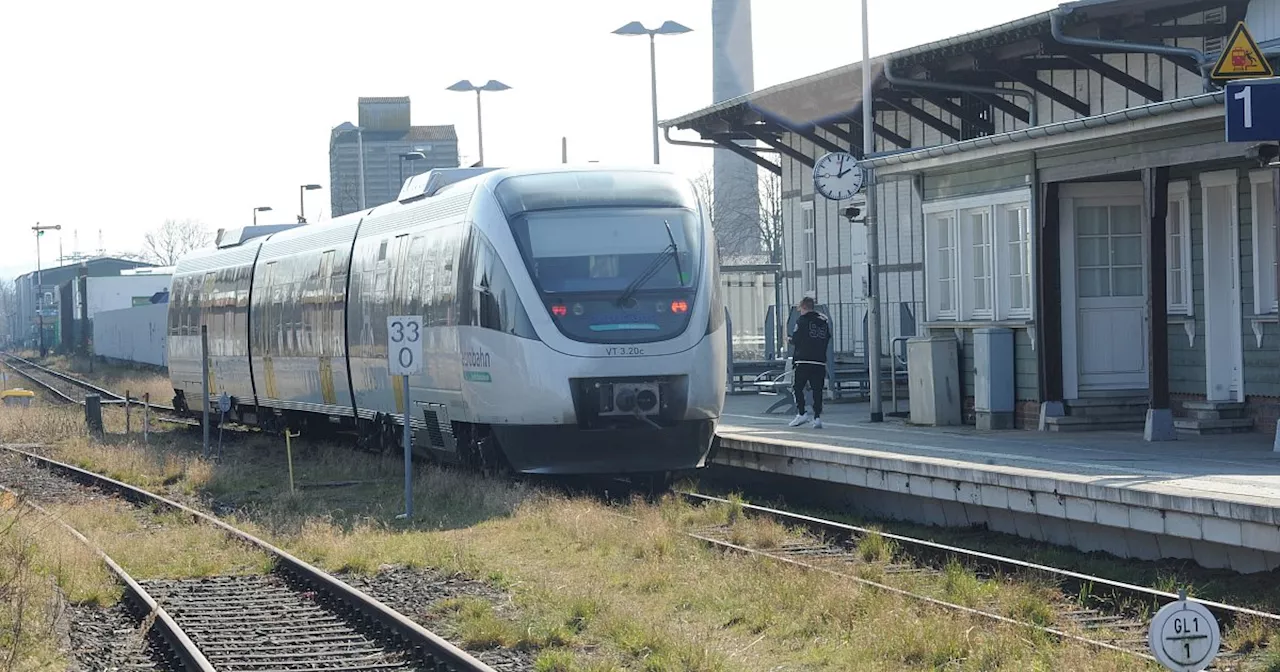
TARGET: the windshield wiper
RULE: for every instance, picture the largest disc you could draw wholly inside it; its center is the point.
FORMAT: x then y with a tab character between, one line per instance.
647	274
675	253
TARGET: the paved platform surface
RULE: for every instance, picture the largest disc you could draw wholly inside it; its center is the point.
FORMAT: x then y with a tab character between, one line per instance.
1238	468
1224	490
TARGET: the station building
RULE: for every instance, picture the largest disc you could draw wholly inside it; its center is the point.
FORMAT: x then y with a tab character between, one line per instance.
1065	177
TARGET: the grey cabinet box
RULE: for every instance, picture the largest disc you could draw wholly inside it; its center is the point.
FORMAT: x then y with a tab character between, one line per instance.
933	381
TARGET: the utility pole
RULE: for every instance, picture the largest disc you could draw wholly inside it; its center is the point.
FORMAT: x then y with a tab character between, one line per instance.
873	233
40	282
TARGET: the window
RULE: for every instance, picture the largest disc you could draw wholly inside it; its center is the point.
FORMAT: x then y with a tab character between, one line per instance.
1178	248
980	269
978	257
1015	223
1264	242
810	270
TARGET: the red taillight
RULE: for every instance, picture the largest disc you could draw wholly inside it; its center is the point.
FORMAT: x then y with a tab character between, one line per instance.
559	310
679	306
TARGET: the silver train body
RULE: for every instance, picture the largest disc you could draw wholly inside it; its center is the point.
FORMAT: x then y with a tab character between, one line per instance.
571	320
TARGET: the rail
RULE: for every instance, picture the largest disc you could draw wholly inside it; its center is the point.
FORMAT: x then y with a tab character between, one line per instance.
436	651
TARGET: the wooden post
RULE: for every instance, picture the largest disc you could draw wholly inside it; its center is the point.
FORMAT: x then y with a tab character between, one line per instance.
1155	190
146	418
128	430
1048	306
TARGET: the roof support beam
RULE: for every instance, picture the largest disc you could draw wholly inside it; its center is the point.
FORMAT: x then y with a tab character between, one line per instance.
1111	72
944	103
808	133
914	112
886	134
1007	106
855	142
1185	31
1052	92
726	142
772	140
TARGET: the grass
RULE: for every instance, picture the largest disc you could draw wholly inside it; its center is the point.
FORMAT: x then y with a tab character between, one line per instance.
137	380
590	590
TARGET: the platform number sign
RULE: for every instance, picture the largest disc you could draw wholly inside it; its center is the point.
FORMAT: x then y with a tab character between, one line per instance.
1253	110
404	344
1184	636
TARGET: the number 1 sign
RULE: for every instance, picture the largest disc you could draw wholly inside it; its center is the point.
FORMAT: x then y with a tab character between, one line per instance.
1253	110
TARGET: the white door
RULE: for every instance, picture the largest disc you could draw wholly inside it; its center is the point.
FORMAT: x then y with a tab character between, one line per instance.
1223	338
1104	287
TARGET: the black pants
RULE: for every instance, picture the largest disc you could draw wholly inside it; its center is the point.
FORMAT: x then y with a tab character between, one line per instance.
814	375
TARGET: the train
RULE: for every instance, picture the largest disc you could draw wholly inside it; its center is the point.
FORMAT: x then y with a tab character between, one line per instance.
571	319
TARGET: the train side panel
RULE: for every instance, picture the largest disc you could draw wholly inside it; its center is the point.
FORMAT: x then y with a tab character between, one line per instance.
298	319
407	262
211	288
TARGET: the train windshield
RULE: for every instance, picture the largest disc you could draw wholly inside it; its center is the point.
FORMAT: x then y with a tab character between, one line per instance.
610	250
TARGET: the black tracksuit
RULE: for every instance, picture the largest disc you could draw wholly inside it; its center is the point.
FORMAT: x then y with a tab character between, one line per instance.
811	337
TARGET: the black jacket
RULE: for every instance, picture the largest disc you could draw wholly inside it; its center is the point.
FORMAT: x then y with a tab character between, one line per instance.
812	334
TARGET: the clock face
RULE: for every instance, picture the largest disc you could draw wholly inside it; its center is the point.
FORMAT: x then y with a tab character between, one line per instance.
837	176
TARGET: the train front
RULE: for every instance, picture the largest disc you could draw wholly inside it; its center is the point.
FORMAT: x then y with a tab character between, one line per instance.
628	372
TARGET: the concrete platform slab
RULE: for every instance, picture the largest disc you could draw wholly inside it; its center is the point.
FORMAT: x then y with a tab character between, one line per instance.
1193	498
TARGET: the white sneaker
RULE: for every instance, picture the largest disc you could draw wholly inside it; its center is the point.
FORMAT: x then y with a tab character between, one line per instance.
801	419
817	423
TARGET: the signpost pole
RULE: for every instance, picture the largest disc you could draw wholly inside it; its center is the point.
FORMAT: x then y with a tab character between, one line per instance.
204	384
408	454
404	359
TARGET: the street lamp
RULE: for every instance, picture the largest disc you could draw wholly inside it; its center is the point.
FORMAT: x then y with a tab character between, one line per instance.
410	156
491	85
667	28
264	208
40	282
302	202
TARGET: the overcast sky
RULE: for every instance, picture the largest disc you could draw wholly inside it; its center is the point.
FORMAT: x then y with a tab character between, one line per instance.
118	115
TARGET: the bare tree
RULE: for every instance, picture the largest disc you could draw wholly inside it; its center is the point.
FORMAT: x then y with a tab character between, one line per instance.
8	311
173	239
764	238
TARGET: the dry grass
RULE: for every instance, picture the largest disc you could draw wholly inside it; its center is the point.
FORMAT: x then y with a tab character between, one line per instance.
30	599
592	590
137	380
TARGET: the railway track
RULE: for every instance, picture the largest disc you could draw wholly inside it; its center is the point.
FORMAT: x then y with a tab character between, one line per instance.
1094	610
295	618
67	389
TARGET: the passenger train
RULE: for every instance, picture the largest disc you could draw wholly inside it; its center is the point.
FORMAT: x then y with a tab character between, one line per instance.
572	321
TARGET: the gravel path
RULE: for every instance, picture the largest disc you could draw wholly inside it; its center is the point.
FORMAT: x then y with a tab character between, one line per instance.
413	592
42	486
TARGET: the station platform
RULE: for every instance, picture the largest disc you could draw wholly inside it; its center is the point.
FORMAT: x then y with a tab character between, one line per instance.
1213	499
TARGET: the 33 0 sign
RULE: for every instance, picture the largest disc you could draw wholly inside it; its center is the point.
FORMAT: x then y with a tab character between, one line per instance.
404	344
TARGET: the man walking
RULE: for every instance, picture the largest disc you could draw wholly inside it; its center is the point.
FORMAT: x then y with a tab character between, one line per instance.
810	339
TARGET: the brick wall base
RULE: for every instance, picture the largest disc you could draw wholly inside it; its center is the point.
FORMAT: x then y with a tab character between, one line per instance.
1264	411
1026	414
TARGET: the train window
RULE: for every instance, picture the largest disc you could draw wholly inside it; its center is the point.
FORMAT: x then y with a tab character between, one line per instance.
382	251
495	304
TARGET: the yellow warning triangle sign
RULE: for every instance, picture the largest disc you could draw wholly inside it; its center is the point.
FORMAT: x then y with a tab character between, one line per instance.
1241	57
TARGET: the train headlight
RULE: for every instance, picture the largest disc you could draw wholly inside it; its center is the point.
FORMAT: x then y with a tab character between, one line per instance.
559	310
679	306
577	309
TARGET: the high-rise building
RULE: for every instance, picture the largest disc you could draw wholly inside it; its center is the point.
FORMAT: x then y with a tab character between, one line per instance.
384	132
735	189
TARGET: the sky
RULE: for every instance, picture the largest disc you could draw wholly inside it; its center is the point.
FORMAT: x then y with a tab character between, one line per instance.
120	115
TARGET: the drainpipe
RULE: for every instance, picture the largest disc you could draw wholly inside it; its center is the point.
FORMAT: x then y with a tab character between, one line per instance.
1059	35
909	83
666	133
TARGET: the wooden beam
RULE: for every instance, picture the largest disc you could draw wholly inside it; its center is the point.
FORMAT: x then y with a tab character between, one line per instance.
855	142
883	132
1053	93
911	110
806	133
1111	72
1007	106
1049	295
944	103
782	147
726	141
1155	188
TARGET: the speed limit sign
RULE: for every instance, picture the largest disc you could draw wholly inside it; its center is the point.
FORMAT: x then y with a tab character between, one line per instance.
404	344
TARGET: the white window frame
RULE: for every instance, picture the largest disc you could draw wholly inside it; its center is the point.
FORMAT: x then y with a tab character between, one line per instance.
1180	193
970	244
1005	243
933	256
1264	246
995	204
809	251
